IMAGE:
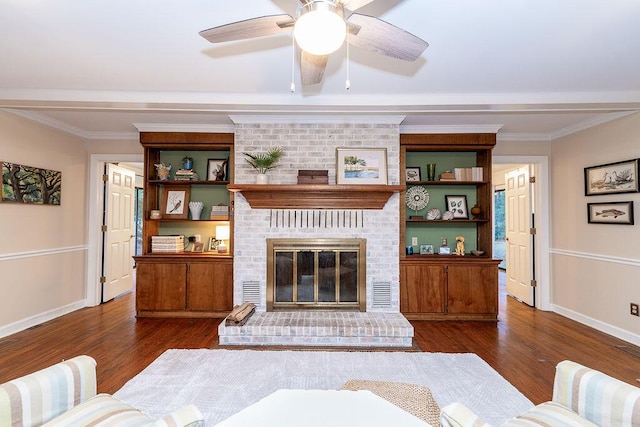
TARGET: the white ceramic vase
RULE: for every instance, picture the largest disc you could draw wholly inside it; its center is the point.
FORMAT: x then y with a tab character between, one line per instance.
262	178
196	209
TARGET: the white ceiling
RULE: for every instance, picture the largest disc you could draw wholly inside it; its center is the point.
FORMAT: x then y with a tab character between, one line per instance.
534	70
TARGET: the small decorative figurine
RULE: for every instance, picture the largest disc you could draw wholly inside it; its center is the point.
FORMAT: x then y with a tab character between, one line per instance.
163	171
460	245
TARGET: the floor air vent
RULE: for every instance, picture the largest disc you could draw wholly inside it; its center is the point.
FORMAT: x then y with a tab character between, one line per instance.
381	294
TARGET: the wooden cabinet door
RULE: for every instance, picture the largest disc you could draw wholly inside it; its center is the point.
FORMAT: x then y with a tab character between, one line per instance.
211	286
472	289
422	288
161	287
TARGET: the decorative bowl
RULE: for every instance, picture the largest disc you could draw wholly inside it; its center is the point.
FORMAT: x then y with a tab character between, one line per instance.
476	252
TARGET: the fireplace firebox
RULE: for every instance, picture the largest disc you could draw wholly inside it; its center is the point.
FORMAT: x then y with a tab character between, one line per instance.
316	274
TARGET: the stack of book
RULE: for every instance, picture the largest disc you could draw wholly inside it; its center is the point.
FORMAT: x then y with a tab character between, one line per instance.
186	175
167	244
468	174
219	212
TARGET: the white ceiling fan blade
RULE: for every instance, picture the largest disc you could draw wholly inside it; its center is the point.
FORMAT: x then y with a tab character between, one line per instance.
248	29
312	68
355	4
379	36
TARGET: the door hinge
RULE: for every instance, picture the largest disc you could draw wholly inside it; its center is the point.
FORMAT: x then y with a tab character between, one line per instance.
105	177
532	231
103	279
532	180
534	283
103	228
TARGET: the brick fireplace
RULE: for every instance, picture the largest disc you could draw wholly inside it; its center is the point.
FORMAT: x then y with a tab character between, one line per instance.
377	321
313	146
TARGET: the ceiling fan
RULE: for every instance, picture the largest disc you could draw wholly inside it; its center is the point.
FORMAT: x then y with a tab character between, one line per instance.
320	27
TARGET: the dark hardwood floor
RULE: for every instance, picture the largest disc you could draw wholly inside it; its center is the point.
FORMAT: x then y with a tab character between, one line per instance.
523	346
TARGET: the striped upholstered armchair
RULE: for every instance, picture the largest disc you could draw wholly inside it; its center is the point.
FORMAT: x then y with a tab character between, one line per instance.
581	397
65	395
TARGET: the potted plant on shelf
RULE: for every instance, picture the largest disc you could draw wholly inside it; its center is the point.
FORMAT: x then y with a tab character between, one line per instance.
187	162
262	162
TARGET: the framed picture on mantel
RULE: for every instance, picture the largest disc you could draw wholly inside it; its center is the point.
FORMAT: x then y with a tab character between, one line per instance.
361	166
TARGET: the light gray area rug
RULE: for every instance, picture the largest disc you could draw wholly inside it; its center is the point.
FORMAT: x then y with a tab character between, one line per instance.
223	382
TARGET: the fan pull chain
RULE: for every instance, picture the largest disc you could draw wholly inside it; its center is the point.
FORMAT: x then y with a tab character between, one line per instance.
293	64
347	84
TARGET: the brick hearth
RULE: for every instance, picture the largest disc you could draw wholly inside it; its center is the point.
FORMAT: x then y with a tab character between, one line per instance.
369	329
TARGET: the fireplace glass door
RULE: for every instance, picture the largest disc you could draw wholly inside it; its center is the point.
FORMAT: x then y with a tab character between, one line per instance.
315	276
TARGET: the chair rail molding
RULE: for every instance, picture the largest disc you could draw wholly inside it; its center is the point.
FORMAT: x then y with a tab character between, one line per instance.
42	252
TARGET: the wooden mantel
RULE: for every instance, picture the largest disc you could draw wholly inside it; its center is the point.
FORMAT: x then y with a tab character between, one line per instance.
314	196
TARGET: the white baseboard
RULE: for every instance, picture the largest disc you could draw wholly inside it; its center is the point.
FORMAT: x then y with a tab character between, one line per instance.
597	324
29	322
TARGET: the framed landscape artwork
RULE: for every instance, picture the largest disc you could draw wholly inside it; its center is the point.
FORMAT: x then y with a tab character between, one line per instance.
361	166
28	184
610	213
619	177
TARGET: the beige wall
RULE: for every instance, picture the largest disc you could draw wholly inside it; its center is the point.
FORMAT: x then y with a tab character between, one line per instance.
595	267
119	146
521	148
43	248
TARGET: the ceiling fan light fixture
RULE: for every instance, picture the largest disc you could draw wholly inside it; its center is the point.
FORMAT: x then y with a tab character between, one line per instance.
320	28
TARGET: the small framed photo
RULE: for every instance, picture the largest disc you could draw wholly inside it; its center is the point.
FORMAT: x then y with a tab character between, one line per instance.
610	213
212	244
361	166
457	205
198	247
412	174
175	201
619	177
444	250
426	249
217	170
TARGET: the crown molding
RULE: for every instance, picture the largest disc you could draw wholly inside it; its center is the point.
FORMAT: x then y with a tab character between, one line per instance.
319	119
171	127
64	127
604	118
47	121
451	129
325	102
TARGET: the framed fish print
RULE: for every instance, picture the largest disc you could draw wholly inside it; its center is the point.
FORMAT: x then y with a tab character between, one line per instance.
610	213
175	201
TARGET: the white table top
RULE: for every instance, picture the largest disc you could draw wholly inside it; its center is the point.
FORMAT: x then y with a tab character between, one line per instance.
322	408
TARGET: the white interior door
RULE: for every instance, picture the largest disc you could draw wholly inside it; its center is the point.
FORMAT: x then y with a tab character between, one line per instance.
119	236
518	230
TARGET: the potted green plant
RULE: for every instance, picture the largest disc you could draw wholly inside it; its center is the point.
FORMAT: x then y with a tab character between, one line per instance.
187	162
263	162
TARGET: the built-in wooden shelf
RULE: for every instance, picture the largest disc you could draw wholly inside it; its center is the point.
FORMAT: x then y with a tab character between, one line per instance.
314	196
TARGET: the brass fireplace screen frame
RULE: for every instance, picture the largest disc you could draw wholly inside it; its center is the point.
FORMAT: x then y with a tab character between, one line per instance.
338	246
